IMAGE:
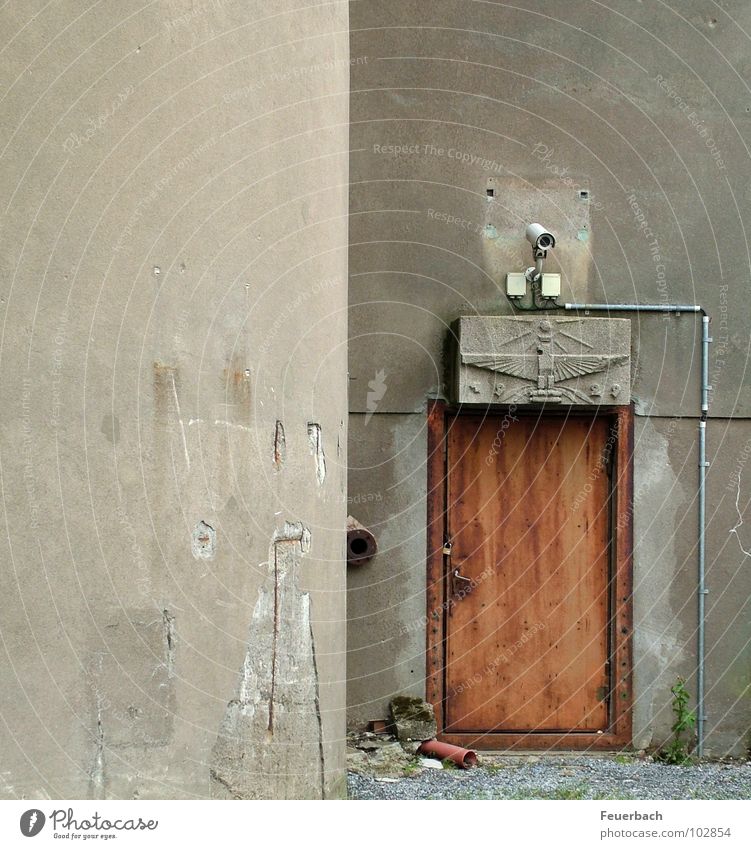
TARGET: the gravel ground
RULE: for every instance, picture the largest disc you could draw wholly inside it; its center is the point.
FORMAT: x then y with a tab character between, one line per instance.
553	777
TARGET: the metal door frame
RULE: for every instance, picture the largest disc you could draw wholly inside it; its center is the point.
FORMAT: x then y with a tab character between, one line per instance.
618	734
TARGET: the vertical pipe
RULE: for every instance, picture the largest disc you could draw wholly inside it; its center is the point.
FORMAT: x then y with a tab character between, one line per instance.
701	592
702	589
705	387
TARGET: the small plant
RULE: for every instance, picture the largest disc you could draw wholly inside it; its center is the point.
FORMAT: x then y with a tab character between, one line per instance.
612	797
577	791
449	764
677	750
412	768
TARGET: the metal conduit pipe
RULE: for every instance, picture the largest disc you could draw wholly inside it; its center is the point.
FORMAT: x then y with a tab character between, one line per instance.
702	590
636	307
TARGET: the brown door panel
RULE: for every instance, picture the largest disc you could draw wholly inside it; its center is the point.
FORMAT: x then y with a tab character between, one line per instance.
528	515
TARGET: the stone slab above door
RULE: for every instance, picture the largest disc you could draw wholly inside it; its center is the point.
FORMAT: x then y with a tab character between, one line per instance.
542	359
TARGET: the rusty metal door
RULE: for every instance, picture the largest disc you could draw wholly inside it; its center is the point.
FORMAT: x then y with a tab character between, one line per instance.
527	561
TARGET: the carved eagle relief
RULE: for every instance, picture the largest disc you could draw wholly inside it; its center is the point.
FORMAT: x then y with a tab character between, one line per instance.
547	361
527	366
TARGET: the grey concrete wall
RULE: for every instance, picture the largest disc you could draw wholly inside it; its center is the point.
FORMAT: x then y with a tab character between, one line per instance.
386	597
665	616
174	284
642	106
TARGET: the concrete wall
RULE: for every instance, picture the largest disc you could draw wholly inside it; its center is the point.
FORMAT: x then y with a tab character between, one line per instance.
643	107
173	375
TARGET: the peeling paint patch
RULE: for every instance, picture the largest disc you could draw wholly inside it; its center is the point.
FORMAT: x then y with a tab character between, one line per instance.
294	532
203	542
270	744
315	437
280	445
97	772
169	639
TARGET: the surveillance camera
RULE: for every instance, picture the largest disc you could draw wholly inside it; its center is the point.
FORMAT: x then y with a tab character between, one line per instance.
539	237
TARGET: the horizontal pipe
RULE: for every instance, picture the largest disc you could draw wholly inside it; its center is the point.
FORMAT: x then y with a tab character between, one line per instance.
636	307
361	544
463	758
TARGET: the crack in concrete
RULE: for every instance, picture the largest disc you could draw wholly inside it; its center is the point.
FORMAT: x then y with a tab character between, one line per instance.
734	530
321	761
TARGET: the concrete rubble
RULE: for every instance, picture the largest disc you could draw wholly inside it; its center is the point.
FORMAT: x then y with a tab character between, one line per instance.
394	750
413	719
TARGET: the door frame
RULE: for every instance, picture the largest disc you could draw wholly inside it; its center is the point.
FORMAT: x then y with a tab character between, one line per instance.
618	734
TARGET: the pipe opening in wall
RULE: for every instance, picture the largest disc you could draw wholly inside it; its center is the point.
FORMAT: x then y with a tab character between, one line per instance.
361	544
358	546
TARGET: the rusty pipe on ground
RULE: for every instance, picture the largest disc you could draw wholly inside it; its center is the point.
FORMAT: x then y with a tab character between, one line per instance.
361	544
463	758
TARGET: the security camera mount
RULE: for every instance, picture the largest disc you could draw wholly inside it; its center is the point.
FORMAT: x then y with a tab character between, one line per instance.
534	272
531	280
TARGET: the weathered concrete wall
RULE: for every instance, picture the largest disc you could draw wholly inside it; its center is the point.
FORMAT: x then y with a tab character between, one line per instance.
386	597
665	577
173	376
643	107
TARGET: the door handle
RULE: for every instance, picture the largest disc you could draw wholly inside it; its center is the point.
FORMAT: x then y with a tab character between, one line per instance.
460	585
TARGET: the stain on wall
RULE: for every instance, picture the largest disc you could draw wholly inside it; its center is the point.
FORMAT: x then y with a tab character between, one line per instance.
131	710
271	734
